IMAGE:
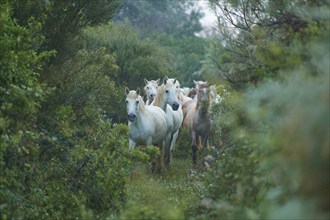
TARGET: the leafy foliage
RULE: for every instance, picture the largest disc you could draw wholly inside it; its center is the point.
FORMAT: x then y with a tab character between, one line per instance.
59	157
274	162
63	20
21	93
179	18
64	152
20	67
189	51
136	58
85	81
258	40
174	25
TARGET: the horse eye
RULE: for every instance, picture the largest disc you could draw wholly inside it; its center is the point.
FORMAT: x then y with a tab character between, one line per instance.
166	91
147	87
137	101
126	101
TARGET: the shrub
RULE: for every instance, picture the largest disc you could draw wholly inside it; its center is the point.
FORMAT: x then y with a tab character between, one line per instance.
60	155
275	159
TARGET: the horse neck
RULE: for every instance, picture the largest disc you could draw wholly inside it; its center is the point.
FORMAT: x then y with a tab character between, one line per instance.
141	107
159	98
202	110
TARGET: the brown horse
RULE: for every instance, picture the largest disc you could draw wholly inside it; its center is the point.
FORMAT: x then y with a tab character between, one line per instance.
197	120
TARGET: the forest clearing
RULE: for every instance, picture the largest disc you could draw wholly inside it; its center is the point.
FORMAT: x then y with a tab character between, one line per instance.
133	109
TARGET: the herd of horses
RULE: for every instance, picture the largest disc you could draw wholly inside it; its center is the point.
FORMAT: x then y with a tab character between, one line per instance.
168	109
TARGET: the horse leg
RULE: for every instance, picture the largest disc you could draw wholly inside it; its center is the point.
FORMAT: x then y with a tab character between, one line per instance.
131	144
206	140
157	164
154	160
193	146
175	137
161	156
167	150
199	142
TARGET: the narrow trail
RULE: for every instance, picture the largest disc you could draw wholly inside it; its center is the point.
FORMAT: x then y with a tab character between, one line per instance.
163	196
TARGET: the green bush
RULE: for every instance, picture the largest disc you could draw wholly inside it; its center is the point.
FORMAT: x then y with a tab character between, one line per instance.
275	159
86	80
274	163
136	58
183	145
60	155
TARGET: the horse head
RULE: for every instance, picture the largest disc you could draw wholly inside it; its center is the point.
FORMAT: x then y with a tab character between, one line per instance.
171	88
192	93
134	103
151	89
203	95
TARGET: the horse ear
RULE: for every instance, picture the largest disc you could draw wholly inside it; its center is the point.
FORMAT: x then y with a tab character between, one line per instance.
158	81
195	82
165	80
174	81
138	91
126	90
145	81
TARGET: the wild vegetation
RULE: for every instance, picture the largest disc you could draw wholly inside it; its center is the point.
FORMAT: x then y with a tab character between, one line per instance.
63	126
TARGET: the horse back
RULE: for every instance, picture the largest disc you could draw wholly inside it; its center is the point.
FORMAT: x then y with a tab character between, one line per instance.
152	125
187	106
188	111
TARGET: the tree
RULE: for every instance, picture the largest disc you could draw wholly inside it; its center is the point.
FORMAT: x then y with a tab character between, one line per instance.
274	160
136	58
178	18
21	92
260	38
59	156
63	19
189	52
173	24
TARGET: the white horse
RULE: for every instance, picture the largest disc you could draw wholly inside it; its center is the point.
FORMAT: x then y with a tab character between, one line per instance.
151	90
183	97
167	99
185	90
147	124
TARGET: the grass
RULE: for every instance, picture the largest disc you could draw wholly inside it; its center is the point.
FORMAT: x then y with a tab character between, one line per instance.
164	196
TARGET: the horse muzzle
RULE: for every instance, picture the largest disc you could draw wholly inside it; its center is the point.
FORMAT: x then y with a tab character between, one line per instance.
175	106
131	117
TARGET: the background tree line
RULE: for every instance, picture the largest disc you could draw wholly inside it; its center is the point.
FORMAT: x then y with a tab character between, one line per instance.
64	65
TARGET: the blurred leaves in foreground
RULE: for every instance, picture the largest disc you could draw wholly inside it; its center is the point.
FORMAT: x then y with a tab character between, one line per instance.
274	161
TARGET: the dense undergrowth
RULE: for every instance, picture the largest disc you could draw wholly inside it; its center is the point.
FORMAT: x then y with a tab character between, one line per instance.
63	134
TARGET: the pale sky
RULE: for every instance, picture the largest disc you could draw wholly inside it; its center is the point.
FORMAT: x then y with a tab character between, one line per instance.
209	18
